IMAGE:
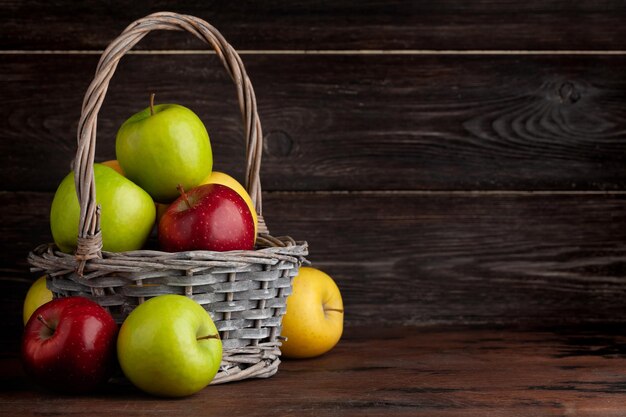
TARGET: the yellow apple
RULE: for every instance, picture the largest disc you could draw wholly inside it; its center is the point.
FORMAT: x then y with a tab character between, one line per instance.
115	165
224	179
313	323
38	294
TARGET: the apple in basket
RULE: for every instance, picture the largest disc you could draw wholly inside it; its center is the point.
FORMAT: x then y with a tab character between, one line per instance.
163	146
69	345
209	217
224	179
169	346
127	218
113	163
230	182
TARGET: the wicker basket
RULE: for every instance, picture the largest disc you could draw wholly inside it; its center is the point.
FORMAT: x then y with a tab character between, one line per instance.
244	291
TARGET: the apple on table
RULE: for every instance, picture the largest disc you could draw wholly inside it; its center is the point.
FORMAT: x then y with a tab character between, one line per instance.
69	345
169	346
313	323
38	294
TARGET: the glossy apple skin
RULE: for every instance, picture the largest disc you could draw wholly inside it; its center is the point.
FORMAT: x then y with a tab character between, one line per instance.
162	150
218	220
224	179
163	347
126	219
79	354
38	294
313	323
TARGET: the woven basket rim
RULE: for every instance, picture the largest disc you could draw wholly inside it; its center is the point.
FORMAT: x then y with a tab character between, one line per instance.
290	253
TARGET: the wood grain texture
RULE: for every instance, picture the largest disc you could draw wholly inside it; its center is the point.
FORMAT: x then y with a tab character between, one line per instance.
420	258
345	122
465	259
370	24
397	371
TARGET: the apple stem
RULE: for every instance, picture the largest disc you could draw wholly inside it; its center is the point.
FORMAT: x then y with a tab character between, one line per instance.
182	192
334	309
211	336
45	323
152	104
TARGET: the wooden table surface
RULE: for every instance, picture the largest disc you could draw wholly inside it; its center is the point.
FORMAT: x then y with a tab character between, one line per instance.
398	371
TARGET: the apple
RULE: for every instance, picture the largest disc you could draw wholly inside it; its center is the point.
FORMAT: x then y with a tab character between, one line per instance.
169	346
38	294
163	146
208	217
69	345
225	179
113	163
127	216
313	323
221	178
160	211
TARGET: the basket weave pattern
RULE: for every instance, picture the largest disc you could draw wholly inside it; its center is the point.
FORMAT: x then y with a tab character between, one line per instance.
244	291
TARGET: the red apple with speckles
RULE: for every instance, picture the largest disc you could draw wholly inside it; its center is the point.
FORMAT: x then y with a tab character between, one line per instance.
69	345
209	217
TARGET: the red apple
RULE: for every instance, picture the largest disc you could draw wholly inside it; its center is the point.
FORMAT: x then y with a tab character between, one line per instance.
208	217
69	345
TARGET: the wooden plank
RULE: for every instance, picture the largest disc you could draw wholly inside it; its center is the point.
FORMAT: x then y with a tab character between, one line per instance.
517	259
284	25
472	258
398	371
346	122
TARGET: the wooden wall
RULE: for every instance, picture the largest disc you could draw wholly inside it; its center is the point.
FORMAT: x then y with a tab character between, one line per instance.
448	162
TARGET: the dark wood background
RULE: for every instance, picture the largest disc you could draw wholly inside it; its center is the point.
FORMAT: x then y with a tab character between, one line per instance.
448	162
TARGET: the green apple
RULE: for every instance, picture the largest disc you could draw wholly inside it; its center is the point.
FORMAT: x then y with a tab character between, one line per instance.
169	346
38	294
163	146
127	216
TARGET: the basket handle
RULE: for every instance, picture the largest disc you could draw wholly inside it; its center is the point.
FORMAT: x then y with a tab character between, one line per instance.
89	237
